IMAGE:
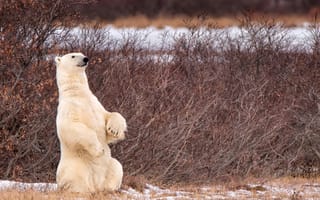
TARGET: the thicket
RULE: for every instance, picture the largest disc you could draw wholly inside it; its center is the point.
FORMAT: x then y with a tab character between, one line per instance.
208	107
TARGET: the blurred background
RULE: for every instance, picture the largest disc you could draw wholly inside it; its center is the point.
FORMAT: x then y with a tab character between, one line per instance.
112	10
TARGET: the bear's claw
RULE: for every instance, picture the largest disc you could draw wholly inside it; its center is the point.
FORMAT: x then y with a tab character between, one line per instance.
116	125
114	133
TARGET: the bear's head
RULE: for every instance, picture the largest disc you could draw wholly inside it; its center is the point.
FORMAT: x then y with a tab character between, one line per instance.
72	62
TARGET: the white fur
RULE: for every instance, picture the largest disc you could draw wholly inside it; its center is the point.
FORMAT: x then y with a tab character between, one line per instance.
85	129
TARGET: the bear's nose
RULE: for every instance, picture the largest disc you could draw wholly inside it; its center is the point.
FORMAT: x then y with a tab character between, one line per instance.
85	59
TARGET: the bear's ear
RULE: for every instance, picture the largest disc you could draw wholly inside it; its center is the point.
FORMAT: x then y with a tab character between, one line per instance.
57	59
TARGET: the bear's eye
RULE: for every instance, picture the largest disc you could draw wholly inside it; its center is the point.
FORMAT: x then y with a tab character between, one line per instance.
72	56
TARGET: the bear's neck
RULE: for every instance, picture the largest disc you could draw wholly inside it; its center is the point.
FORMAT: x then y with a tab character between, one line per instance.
72	85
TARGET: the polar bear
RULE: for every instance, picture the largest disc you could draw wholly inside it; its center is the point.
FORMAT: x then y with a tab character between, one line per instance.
84	130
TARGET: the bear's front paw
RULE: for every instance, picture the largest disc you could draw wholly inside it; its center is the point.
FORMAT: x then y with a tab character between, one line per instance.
116	125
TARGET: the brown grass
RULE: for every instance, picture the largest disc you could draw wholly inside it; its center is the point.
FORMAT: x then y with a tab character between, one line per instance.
34	195
285	188
142	21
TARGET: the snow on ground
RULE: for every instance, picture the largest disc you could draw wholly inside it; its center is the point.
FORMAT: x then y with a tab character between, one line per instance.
7	185
268	190
155	38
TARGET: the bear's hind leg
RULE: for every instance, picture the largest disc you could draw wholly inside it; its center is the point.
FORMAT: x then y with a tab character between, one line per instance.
74	177
113	178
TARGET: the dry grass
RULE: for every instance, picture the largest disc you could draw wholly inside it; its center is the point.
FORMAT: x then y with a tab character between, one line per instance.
141	21
35	195
283	188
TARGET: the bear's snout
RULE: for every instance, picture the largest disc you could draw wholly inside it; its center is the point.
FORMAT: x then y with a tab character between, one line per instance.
85	59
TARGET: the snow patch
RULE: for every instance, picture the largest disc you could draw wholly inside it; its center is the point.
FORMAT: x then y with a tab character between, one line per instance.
41	187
